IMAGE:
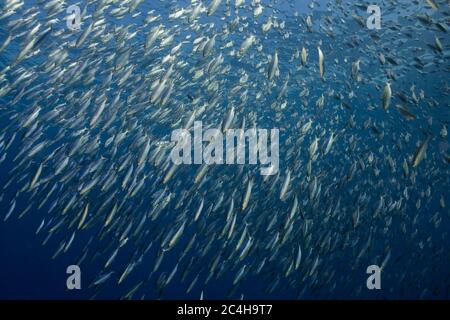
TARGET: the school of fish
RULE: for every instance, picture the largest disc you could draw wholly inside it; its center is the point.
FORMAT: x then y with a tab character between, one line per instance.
85	138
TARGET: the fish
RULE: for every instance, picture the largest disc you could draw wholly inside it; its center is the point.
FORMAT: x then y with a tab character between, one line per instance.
247	195
421	152
213	7
285	186
273	66
304	56
386	97
321	63
209	46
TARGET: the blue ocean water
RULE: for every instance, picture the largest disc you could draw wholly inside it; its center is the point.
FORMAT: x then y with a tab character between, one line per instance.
414	236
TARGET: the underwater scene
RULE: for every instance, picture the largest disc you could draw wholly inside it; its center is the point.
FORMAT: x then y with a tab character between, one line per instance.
224	149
